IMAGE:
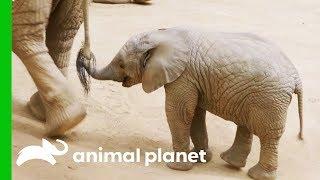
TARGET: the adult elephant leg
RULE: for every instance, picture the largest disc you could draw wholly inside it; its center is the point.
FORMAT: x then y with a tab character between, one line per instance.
199	135
64	22
29	22
181	102
28	31
62	110
237	154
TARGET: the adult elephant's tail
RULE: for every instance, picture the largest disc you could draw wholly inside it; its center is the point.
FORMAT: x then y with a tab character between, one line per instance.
85	56
298	90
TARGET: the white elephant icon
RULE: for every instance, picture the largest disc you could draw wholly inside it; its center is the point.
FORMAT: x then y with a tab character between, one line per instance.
45	152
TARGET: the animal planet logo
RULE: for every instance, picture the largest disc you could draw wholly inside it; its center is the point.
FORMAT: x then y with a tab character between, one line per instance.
46	152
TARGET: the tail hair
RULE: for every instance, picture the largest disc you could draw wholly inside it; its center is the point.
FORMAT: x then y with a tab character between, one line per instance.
84	77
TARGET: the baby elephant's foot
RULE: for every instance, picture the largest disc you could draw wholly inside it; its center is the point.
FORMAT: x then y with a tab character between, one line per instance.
234	158
36	107
207	157
181	166
257	172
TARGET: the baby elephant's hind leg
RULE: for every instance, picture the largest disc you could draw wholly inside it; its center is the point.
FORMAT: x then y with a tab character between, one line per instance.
199	135
237	154
266	169
269	131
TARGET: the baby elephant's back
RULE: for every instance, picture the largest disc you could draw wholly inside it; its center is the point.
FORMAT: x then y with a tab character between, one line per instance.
243	56
243	69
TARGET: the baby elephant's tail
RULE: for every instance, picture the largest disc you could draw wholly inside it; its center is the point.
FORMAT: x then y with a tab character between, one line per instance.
299	92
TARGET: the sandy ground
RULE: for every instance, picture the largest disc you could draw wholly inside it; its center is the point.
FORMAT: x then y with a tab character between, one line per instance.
121	119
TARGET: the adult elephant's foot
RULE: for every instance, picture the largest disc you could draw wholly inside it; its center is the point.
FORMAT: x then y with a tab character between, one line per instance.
259	173
207	157
234	157
60	119
35	105
181	166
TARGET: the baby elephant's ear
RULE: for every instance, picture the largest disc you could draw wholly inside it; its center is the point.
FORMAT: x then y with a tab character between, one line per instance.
163	65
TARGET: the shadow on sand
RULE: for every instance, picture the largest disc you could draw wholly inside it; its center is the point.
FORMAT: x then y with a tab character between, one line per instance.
25	122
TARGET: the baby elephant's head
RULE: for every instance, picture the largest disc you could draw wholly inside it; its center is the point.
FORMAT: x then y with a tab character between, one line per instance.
153	59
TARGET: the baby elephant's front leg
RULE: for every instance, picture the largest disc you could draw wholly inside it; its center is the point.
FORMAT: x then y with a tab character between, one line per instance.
199	135
180	108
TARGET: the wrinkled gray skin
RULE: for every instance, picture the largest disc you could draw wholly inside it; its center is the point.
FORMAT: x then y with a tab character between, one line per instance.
42	37
236	76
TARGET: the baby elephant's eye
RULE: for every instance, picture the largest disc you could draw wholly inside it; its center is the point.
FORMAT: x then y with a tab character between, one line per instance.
146	57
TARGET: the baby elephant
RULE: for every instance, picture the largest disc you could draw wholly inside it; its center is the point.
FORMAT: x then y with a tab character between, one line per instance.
239	77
